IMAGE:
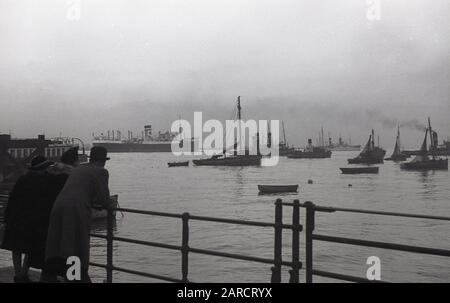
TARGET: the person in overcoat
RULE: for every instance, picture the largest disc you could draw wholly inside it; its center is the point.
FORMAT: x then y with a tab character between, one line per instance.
57	175
70	219
25	217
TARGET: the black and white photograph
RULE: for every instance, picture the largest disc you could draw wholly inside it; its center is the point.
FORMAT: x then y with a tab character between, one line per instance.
232	145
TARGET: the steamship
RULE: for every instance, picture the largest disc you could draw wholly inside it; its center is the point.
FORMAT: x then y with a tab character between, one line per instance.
115	142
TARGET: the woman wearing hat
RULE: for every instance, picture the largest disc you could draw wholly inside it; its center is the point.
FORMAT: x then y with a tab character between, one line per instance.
70	220
28	202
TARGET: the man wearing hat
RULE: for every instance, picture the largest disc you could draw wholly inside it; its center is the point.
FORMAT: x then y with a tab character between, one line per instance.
26	225
70	219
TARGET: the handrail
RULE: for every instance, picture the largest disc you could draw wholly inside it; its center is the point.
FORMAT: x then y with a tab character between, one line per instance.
310	236
329	209
202	218
278	226
185	249
384	245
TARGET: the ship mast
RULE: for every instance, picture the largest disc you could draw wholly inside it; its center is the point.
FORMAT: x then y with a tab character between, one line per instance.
373	140
239	126
323	141
431	138
284	134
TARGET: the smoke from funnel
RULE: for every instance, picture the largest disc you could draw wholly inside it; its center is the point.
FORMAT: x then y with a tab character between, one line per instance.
413	124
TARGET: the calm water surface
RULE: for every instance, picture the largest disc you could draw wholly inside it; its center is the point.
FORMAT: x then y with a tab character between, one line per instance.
143	181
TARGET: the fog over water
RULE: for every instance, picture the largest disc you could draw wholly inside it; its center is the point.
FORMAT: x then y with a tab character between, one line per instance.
310	63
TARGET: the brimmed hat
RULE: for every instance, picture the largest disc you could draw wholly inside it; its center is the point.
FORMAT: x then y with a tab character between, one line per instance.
40	163
98	153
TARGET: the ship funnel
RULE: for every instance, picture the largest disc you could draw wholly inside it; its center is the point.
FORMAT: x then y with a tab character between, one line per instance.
148	132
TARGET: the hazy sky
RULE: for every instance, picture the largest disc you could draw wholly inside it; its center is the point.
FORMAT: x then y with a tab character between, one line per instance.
124	64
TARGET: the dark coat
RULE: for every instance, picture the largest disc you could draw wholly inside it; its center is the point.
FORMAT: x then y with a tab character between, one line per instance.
70	220
27	213
57	177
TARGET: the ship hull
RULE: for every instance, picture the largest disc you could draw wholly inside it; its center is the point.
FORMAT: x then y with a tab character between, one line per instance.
372	157
275	189
426	165
230	161
309	155
438	152
135	147
397	158
365	161
359	170
344	148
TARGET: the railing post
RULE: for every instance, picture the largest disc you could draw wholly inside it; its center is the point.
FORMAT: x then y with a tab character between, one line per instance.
185	248
310	214
296	229
276	269
109	244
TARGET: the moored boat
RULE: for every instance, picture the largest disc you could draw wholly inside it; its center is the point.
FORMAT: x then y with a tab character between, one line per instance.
423	161
360	170
236	159
342	146
397	155
283	148
310	152
176	164
273	189
371	154
221	160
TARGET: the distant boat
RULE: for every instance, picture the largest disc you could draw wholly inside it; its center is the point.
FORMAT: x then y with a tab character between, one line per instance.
235	159
359	170
440	150
342	146
176	164
221	160
397	155
371	154
283	148
423	161
273	189
310	152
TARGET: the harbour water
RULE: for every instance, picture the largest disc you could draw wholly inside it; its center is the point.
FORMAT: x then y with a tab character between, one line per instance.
143	181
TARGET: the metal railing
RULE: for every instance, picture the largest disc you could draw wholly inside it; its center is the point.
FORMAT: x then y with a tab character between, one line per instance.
278	227
310	236
185	249
277	262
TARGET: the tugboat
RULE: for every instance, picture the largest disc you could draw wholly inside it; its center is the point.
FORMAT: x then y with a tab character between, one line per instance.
371	154
310	152
423	161
235	159
397	155
440	150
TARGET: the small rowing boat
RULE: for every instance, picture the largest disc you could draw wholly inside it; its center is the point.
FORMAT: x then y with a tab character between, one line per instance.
273	189
360	170
176	164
